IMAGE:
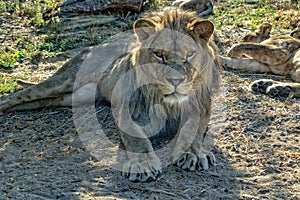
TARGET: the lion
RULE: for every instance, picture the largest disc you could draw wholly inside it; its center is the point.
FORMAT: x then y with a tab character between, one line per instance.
173	67
280	55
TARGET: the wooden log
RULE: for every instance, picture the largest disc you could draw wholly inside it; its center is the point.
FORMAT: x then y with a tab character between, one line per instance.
88	7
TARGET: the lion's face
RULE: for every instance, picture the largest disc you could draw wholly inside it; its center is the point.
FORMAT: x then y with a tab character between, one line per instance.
179	62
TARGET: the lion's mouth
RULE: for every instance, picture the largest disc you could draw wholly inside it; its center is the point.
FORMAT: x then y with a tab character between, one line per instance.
175	97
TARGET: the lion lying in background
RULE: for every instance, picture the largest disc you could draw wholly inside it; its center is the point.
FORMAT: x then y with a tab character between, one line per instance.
262	33
168	75
280	54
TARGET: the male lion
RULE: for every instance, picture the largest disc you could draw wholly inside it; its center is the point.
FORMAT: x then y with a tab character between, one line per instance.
280	54
168	75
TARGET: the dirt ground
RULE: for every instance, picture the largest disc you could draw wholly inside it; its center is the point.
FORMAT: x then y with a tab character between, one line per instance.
256	145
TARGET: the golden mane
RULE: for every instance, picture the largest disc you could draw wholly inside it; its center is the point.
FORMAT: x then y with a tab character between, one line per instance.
179	21
175	19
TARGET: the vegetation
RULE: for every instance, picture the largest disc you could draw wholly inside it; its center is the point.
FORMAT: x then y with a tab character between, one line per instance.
26	37
239	13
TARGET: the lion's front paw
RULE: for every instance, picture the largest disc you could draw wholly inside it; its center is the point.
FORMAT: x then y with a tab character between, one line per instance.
191	162
279	90
143	167
261	86
271	87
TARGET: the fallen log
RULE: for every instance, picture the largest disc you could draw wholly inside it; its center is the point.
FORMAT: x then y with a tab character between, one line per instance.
71	8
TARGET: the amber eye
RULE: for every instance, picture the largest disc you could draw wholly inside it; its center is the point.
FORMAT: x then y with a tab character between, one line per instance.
159	56
190	55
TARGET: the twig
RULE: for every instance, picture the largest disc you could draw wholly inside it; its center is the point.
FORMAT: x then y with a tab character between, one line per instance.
163	192
155	190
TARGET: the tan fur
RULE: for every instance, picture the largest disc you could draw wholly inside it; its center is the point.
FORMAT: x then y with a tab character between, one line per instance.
259	35
279	55
173	52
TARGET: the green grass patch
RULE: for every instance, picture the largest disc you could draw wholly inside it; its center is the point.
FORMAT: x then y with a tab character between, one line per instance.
52	38
8	83
243	14
24	14
33	10
10	59
155	4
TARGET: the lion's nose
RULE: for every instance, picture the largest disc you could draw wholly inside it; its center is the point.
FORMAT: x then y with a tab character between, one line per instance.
175	81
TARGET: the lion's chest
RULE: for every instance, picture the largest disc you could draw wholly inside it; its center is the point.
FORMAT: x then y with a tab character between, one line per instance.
157	122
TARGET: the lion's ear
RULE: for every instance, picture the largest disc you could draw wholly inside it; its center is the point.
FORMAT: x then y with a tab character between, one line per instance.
144	28
203	28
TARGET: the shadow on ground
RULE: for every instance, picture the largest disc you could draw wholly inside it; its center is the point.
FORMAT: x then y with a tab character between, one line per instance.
42	157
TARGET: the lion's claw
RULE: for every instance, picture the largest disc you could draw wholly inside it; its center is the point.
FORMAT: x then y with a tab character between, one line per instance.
139	170
279	90
271	88
261	85
209	159
190	162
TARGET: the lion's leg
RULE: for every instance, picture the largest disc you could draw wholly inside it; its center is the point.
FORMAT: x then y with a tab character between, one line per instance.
45	90
193	157
295	74
296	91
65	100
143	164
288	89
276	88
267	54
284	89
246	64
81	96
56	86
40	95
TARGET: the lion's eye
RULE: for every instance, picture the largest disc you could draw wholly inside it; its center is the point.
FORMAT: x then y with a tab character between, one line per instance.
190	55
159	56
